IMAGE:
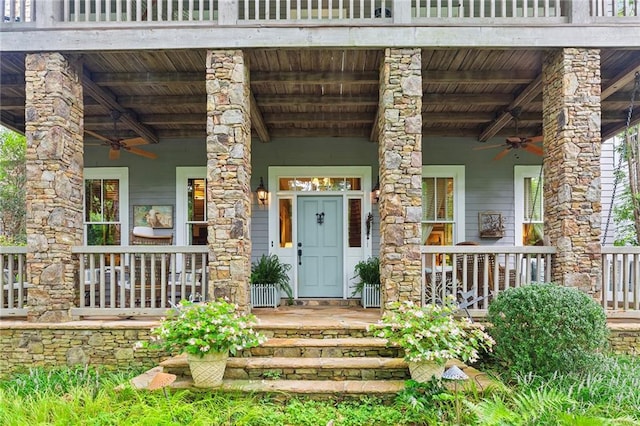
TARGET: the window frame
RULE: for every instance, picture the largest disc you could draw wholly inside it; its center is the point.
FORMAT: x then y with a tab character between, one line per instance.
105	173
457	173
183	174
521	173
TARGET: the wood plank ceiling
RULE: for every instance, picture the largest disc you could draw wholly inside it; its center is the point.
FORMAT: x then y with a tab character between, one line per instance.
313	92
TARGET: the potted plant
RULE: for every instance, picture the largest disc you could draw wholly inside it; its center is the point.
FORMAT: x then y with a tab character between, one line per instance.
269	276
368	285
432	335
207	332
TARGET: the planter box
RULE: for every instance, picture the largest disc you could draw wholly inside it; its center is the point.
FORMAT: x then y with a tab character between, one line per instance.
264	296
371	296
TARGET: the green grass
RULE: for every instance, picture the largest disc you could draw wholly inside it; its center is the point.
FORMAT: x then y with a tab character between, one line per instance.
606	395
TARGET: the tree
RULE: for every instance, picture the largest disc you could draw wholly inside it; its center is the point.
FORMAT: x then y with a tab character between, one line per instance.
13	177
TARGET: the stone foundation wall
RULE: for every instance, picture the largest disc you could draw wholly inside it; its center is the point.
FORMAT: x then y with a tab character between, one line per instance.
23	346
625	339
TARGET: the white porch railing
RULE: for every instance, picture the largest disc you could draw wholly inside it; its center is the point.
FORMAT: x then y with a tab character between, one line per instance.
138	280
302	12
483	270
13	274
621	278
486	8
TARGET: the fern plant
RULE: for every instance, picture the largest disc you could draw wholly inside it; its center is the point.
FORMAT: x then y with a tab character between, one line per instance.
367	272
270	270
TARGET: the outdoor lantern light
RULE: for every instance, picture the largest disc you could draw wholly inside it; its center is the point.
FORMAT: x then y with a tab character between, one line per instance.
376	191
262	193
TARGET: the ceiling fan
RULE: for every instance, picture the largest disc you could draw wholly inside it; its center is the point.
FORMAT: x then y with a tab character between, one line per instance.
118	145
516	142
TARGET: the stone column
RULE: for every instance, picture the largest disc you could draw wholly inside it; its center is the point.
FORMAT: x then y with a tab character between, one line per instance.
228	175
571	128
400	158
54	112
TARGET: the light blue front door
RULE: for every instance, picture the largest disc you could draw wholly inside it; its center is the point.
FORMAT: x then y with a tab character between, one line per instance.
320	247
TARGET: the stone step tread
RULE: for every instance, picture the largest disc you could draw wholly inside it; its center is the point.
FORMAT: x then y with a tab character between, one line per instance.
180	361
349	342
306	386
318	363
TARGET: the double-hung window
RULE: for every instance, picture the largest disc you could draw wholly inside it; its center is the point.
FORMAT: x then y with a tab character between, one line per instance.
106	205
442	205
529	206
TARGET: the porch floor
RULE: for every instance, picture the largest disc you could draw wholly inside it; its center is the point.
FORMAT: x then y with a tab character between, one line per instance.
317	316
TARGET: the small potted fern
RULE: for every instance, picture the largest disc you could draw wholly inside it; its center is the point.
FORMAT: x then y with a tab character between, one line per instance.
269	277
368	285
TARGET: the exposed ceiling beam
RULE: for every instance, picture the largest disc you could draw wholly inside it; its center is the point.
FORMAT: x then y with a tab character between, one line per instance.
329	119
10	122
466	99
478	77
147	78
617	127
342	132
323	78
257	121
11	103
528	94
109	100
138	101
620	80
12	81
311	100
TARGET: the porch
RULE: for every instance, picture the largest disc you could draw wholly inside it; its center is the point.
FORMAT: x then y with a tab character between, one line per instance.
145	281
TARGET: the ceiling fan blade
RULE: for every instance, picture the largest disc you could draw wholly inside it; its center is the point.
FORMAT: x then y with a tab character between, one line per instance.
133	141
535	139
488	146
141	152
533	149
97	136
114	154
501	154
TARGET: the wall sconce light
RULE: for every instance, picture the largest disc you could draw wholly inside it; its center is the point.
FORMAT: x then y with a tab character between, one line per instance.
262	193
375	192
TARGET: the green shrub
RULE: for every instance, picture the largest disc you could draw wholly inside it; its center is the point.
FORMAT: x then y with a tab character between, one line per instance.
270	270
543	328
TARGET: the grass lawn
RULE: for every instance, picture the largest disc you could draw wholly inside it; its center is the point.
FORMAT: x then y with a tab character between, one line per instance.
608	395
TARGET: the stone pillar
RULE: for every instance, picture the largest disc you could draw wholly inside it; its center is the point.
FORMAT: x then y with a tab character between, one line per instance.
54	112
571	128
400	158
228	175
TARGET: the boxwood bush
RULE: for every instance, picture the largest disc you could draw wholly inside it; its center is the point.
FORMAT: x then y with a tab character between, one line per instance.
544	328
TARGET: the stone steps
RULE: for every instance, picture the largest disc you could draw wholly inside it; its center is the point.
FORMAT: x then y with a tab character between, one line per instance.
324	348
310	389
293	368
321	357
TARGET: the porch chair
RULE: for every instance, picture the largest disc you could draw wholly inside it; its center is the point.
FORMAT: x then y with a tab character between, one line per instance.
474	293
145	235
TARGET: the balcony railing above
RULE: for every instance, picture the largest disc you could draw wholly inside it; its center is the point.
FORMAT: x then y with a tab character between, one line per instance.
53	13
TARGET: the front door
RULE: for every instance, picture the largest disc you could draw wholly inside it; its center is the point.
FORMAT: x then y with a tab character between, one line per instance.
320	247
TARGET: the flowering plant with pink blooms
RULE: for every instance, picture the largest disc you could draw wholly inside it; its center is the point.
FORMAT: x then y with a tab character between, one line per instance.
432	332
201	328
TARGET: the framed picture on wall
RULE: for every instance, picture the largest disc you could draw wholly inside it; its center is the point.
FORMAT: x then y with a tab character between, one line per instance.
159	217
491	225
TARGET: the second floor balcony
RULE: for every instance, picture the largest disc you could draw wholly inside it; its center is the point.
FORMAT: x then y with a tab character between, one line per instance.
396	16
